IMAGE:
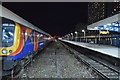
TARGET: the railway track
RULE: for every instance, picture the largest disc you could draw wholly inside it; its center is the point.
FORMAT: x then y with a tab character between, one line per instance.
105	71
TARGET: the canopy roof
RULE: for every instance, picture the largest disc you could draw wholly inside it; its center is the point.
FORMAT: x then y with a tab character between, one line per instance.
109	20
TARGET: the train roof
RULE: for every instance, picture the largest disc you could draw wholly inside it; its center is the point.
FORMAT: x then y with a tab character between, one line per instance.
4	12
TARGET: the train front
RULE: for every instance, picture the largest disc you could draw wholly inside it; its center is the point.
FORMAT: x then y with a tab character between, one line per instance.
8	46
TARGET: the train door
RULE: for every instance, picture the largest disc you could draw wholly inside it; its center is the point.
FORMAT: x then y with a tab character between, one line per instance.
35	41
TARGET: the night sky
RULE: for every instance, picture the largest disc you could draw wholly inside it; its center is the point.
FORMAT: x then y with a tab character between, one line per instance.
55	18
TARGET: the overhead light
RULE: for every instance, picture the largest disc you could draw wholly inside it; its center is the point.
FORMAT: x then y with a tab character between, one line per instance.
109	24
96	28
116	25
113	23
105	25
83	30
75	32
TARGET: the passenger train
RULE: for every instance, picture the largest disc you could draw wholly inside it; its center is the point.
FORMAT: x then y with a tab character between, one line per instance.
116	41
20	41
106	40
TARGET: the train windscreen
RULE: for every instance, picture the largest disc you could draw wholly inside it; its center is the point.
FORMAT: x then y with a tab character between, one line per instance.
8	27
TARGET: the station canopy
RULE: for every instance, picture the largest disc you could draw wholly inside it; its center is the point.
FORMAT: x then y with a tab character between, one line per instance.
110	24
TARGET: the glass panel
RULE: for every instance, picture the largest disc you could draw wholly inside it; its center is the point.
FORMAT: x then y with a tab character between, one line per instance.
0	32
7	33
31	37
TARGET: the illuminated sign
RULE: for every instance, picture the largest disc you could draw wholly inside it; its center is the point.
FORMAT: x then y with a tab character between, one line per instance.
104	32
110	27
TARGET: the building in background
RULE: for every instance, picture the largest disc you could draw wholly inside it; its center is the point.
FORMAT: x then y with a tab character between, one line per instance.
80	26
101	10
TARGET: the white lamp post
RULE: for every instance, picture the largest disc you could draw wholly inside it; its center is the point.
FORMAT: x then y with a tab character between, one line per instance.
72	36
68	36
84	33
76	35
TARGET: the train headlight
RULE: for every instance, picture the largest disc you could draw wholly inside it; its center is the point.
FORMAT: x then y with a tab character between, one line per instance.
4	51
10	51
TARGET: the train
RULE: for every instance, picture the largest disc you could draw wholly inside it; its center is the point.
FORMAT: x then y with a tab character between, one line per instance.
104	40
116	41
20	41
113	41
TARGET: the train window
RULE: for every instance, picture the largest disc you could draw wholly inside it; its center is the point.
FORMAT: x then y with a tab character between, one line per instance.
41	37
8	28
31	37
24	36
38	37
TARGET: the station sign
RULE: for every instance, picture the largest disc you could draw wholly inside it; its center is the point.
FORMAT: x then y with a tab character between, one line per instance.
104	32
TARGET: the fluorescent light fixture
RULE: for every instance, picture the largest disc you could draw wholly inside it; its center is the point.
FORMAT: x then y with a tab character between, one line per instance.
75	32
105	25
96	28
109	24
116	25
83	30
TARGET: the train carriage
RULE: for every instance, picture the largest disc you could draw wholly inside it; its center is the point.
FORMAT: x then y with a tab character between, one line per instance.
116	41
20	41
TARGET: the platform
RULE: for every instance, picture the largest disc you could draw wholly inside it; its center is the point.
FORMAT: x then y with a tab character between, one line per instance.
105	49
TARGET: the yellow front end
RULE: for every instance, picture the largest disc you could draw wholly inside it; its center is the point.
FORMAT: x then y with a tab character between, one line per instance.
16	42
